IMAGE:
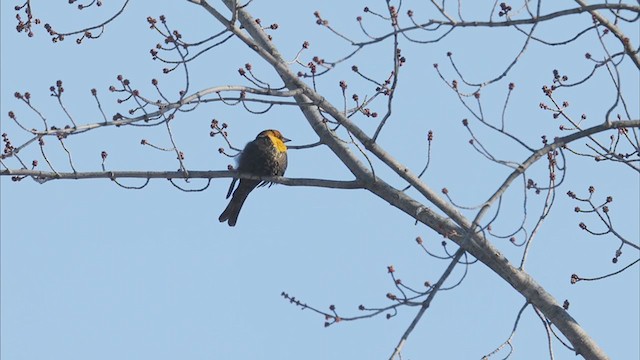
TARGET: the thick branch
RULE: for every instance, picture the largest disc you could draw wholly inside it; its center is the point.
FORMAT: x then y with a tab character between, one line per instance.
626	42
478	247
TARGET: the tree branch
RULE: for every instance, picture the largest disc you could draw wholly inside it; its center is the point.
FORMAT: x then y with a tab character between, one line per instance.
478	246
44	176
626	42
507	23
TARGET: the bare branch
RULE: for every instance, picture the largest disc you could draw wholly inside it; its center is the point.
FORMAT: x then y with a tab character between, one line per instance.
626	42
193	174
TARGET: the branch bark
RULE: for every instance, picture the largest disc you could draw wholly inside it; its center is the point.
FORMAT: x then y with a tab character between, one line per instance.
626	42
44	176
458	228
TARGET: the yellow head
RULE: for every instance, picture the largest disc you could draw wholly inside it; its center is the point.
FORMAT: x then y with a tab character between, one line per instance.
276	138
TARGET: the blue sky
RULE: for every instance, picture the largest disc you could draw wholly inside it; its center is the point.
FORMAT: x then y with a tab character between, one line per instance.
91	270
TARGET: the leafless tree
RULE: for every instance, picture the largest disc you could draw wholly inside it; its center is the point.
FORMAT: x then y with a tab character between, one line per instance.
612	138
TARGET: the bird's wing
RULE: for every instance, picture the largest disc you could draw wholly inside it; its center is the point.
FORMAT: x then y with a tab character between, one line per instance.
233	184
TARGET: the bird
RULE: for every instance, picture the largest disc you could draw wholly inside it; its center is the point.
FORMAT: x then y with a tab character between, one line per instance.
264	156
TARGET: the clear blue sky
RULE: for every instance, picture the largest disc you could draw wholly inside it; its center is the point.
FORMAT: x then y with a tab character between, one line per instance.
94	271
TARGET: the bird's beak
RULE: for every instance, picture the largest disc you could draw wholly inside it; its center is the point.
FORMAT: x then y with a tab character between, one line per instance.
284	139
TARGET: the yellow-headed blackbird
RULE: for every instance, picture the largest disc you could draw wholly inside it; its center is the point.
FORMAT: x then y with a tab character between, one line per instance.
264	156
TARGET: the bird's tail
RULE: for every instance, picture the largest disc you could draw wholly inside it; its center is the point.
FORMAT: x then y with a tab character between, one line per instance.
232	211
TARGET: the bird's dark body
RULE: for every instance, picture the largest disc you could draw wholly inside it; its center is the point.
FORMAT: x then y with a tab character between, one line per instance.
264	156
